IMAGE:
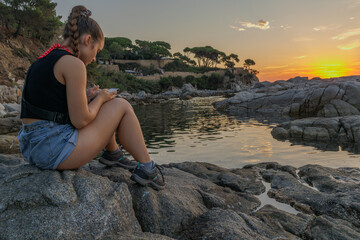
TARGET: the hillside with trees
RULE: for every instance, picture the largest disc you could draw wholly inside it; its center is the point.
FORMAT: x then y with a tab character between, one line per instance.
28	27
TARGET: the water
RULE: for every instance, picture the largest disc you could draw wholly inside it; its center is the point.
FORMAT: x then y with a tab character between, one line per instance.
192	130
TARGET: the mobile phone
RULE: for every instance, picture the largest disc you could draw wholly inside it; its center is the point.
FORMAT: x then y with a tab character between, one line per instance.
113	89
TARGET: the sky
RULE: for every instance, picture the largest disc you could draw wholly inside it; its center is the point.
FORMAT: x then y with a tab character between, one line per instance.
285	38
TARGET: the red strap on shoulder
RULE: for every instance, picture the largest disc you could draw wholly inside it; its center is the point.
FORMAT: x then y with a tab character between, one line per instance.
55	46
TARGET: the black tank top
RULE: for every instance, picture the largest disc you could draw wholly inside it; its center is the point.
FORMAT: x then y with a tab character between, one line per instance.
42	89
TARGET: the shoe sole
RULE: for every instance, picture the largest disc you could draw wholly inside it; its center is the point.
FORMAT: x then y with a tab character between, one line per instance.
145	182
115	164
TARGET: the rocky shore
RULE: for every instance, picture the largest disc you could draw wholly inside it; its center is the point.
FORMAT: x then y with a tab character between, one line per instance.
201	201
320	113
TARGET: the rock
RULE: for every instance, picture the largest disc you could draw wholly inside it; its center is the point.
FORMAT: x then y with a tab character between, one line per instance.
226	224
242	180
10	125
9	94
294	224
200	201
188	89
9	144
185	97
10	107
297	97
185	198
70	204
298	80
339	131
2	113
142	94
280	133
325	227
235	87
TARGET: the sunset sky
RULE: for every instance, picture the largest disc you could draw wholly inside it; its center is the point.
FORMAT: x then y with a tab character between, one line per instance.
286	38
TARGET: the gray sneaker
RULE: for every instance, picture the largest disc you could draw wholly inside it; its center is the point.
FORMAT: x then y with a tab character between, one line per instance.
117	160
150	178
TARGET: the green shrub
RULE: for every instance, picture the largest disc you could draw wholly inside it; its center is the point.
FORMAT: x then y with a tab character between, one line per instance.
229	74
215	81
165	82
178	81
179	66
191	79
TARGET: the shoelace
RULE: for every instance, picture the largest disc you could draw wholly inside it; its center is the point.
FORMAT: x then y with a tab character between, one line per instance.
160	168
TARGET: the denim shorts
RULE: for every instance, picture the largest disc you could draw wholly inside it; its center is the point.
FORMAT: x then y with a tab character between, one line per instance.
46	144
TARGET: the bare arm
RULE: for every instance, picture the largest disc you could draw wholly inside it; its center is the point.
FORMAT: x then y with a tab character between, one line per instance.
81	113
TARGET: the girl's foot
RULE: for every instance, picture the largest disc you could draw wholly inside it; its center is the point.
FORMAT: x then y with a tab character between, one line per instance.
117	159
153	178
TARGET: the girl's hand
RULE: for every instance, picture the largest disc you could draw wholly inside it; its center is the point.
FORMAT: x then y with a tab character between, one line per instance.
105	95
92	92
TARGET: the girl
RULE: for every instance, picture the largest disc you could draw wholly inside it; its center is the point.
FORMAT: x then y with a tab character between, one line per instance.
61	128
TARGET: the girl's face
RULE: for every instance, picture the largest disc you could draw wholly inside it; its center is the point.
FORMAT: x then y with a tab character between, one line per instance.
89	49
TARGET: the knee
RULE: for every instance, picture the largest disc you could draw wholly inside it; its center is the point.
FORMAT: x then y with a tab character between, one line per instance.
123	104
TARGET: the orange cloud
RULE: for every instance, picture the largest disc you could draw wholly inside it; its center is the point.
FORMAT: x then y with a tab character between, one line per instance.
347	34
262	24
350	46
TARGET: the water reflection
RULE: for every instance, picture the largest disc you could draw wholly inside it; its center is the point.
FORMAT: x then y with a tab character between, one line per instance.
191	130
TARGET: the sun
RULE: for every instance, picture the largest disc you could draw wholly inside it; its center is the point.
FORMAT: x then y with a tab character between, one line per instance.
330	69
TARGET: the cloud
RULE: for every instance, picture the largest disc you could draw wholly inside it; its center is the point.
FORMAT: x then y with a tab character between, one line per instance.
285	27
240	29
300	57
352	18
350	46
261	24
276	67
329	27
347	34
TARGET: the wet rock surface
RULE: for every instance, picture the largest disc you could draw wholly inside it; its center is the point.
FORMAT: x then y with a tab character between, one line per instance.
300	98
329	110
200	201
324	133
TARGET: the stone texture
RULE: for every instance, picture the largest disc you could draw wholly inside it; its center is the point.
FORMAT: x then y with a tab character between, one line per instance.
338	131
10	125
9	144
296	98
200	201
63	205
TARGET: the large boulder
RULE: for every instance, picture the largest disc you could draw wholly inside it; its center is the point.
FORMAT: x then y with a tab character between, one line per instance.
200	201
296	98
64	205
185	198
318	132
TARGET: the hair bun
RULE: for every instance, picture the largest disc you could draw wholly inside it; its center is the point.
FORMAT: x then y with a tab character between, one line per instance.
86	13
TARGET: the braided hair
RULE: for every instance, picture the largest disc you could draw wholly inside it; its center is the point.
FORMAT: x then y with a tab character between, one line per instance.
78	23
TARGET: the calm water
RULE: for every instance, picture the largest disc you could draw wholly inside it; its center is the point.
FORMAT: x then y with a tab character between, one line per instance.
192	130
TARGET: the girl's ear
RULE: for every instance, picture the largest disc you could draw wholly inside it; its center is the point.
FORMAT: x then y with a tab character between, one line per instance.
87	39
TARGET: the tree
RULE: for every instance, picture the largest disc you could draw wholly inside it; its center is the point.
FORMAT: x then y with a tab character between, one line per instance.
104	54
37	18
184	58
247	65
122	44
206	56
229	61
116	51
152	50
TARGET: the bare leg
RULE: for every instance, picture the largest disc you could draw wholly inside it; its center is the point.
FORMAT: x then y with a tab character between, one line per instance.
112	145
116	114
